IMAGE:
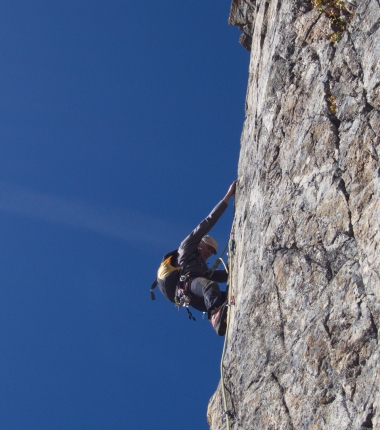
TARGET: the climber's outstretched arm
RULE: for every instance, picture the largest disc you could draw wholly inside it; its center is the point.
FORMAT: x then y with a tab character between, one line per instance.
230	192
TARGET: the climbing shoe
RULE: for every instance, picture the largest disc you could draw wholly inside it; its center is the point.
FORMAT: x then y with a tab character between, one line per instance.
219	319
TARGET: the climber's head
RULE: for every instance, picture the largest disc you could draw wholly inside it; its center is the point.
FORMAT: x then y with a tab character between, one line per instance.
207	246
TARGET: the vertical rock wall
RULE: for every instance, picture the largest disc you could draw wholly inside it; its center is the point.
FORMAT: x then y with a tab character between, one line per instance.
303	347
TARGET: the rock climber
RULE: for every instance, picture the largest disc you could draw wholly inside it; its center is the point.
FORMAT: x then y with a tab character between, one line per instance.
198	281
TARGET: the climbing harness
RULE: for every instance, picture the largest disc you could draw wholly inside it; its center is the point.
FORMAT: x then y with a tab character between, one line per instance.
182	298
230	301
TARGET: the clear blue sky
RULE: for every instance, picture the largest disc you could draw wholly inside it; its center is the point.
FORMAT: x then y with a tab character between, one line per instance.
120	125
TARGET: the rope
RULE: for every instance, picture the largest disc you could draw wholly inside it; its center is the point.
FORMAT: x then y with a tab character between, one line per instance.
226	412
224	264
211	271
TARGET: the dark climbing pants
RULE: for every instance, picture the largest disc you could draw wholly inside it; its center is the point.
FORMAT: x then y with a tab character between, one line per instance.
205	295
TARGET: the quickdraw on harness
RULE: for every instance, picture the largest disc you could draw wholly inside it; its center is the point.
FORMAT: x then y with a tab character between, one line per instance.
182	298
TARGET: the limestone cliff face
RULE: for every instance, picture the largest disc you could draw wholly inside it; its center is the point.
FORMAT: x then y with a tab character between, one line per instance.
302	347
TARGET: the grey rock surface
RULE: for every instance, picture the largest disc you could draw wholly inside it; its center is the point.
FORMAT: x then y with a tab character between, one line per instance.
302	349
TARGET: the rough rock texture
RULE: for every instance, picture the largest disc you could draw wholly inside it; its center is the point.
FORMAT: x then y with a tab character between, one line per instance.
303	349
241	15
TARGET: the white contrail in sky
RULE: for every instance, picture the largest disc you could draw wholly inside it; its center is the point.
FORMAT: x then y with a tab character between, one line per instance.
122	224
